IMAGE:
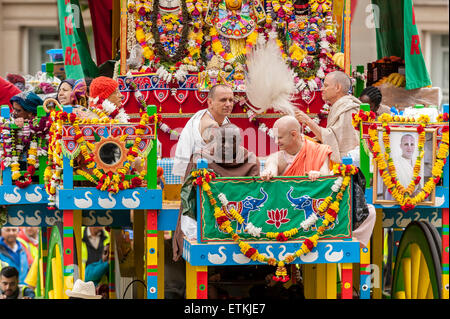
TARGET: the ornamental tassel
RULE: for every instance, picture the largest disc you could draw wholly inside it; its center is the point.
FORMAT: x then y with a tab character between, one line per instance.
281	273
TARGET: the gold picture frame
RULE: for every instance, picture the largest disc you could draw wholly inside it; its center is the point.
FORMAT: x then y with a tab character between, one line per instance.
380	194
114	160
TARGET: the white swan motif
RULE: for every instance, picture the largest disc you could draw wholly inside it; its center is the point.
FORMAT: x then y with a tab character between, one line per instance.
51	220
34	221
240	258
131	203
16	221
34	197
282	255
387	222
13	198
107	203
105	220
402	222
439	201
310	257
269	251
89	221
83	202
217	259
435	221
333	256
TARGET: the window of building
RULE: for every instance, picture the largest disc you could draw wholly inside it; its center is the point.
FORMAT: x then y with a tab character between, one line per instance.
439	64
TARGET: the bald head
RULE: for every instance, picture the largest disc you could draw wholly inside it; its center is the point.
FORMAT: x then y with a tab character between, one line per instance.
341	79
288	122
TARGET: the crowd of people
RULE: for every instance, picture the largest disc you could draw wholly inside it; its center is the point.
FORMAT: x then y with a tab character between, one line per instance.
208	134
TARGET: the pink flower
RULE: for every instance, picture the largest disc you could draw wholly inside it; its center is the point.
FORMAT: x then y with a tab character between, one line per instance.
277	217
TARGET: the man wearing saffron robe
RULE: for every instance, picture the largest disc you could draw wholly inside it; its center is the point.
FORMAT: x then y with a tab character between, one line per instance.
299	156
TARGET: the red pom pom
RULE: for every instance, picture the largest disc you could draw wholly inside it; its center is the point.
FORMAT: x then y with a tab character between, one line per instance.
281	237
250	252
309	244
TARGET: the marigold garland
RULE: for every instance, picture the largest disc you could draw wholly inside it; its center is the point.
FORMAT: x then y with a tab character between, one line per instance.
330	208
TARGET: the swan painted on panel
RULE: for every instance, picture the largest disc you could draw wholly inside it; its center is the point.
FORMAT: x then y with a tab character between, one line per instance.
83	202
282	255
333	256
388	222
105	220
310	257
218	259
269	251
107	203
240	258
13	198
34	220
35	196
16	221
131	202
435	221
402	222
89	221
51	220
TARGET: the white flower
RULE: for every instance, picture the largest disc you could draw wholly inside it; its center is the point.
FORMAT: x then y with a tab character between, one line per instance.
253	230
108	106
122	116
337	184
309	222
223	199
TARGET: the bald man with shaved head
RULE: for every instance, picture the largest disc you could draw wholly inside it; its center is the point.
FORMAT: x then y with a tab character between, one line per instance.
339	133
298	156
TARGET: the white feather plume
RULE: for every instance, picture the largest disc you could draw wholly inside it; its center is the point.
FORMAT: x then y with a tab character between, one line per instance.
270	82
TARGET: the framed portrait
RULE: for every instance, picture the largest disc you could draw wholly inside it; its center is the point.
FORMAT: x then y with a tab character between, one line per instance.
404	152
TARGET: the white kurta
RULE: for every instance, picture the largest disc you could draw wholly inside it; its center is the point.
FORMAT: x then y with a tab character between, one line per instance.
190	141
405	169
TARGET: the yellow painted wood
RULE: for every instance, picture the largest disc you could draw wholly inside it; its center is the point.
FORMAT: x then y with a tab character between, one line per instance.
331	281
406	267
415	269
445	282
429	292
424	279
377	252
51	294
400	295
112	248
41	276
321	281
57	273
139	243
160	264
309	278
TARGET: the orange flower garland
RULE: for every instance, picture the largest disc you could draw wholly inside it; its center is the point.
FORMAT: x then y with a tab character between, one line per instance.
331	210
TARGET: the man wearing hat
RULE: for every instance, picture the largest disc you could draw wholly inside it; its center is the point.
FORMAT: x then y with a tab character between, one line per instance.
83	290
25	106
105	96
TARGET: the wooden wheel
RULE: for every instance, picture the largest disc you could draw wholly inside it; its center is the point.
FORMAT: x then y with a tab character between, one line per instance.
418	269
54	281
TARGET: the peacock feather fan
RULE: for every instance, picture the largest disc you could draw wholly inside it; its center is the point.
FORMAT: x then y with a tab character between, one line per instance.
269	80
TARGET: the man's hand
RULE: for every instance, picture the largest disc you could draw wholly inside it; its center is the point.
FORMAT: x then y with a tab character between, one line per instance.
2	296
313	175
266	175
302	117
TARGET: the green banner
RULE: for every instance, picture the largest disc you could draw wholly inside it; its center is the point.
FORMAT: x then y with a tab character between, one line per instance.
78	62
275	206
415	68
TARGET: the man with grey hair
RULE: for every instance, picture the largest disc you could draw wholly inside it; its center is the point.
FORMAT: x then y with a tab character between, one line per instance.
339	133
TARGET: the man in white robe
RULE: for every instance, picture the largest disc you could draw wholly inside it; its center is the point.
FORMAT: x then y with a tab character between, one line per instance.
196	134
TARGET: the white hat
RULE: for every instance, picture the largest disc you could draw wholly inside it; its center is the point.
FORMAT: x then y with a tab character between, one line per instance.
83	290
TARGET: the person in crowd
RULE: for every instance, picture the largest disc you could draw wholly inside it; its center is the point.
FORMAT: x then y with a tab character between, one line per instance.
106	99
93	243
7	91
195	134
372	96
64	91
83	290
29	237
13	252
10	287
339	133
25	106
227	158
97	272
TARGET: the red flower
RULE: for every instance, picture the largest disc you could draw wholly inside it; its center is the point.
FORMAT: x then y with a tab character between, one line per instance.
277	217
281	237
332	213
445	118
420	129
250	252
222	219
136	182
407	207
372	115
373	126
388	130
207	178
31	169
437	179
417	180
309	244
198	181
445	128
